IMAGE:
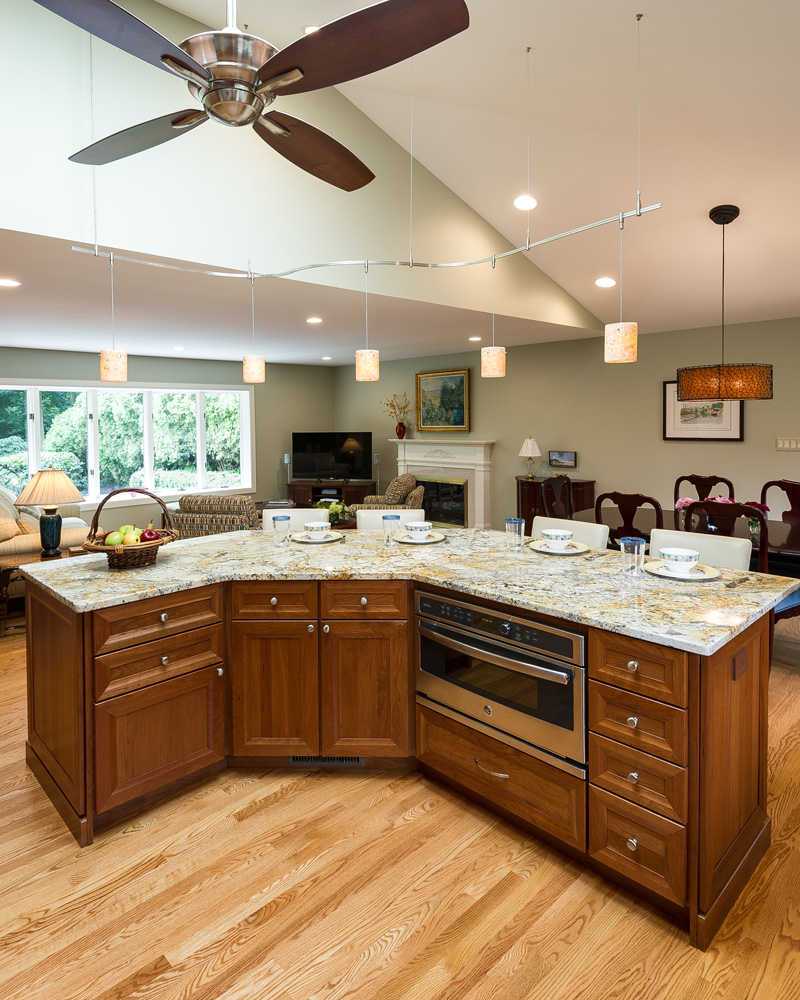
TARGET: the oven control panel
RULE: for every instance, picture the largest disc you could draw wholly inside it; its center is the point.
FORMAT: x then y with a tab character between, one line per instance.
557	642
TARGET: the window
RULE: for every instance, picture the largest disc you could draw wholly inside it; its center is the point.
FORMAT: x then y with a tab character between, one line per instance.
164	439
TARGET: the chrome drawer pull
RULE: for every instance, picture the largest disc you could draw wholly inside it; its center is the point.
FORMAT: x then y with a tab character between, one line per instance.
363	600
273	601
495	774
164	660
632	843
326	628
632	721
633	777
310	628
220	671
165	617
632	665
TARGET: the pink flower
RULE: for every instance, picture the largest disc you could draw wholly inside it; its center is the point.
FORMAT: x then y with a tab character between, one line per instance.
721	499
758	506
684	502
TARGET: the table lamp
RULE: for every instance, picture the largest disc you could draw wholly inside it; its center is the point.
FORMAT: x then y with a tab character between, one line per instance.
49	488
529	450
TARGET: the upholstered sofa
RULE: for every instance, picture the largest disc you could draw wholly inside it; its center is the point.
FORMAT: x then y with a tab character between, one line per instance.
402	493
197	514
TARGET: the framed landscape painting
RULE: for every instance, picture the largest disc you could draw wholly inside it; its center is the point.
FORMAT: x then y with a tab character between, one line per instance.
443	400
701	420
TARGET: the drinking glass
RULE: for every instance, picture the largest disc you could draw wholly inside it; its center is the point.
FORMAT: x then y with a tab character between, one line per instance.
280	528
632	552
391	522
515	528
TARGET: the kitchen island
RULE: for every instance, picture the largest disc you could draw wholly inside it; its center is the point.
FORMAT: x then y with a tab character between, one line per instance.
232	652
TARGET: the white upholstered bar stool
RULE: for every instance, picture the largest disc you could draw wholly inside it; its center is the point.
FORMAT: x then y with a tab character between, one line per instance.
594	535
372	520
297	518
715	550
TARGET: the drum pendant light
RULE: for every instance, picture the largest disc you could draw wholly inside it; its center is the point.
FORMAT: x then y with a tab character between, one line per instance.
113	363
744	380
621	339
368	362
254	368
493	359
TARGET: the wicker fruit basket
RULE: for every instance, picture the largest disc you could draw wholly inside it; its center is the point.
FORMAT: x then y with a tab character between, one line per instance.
130	556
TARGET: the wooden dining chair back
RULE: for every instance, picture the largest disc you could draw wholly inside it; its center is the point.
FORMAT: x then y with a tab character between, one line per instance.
627	504
792	491
557	498
710	516
703	484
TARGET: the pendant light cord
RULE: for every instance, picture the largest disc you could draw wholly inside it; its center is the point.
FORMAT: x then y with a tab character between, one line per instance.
113	324
621	231
528	97
723	295
91	130
366	305
411	175
638	117
493	260
252	304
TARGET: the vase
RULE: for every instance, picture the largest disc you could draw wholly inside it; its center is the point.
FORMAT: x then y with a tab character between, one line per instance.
400	430
755	531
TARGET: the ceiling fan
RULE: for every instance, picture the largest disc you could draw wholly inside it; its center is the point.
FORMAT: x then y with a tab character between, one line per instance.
237	76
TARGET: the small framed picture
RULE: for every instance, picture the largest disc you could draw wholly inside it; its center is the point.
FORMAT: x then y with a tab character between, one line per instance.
701	420
443	400
563	459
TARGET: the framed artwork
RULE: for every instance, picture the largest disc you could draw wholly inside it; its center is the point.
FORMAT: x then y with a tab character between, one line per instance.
701	420
563	459
443	400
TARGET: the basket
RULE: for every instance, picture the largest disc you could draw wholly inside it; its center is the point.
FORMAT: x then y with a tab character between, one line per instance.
131	556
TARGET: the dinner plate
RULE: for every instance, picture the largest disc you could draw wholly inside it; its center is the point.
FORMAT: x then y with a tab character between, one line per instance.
409	539
572	548
699	572
325	536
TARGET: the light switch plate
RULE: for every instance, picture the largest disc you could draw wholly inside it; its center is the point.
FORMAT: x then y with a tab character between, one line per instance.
376	458
787	444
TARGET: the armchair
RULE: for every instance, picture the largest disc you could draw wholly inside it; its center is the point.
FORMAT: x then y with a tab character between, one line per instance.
200	515
402	493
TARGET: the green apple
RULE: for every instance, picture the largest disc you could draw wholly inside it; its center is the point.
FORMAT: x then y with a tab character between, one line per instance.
125	529
114	538
131	538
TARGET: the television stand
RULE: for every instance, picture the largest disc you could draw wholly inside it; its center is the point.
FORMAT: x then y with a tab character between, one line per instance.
313	490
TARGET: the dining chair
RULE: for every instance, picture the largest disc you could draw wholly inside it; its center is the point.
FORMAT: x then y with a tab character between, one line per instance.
372	520
628	504
728	553
297	518
557	499
594	535
703	484
705	515
792	491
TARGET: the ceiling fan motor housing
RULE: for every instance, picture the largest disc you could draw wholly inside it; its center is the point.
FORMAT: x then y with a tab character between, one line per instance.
233	58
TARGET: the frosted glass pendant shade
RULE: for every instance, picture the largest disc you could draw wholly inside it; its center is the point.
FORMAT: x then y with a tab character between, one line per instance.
493	362
253	368
368	366
113	366
620	343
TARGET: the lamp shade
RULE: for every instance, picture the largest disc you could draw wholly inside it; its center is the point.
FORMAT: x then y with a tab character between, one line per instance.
351	446
749	380
529	449
113	366
620	344
368	367
49	488
493	362
253	368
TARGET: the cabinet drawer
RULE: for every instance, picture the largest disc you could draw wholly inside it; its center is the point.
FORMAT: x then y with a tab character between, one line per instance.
364	599
639	777
151	662
544	796
274	600
639	722
647	848
148	738
130	624
635	665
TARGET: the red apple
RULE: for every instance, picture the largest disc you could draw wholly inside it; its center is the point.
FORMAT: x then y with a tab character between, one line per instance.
149	535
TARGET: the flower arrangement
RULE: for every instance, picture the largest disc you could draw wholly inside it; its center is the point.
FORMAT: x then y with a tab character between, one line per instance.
753	523
336	509
397	408
684	502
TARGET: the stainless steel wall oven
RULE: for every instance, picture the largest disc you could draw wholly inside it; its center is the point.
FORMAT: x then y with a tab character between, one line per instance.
520	680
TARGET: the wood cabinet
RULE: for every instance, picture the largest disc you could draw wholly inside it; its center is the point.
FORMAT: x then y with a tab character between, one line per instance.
529	497
310	491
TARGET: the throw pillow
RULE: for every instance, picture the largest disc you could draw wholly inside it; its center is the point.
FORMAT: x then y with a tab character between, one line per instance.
28	525
400	487
8	519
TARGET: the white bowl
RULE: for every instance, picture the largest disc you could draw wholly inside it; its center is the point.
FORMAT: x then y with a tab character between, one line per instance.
419	529
679	560
557	538
316	527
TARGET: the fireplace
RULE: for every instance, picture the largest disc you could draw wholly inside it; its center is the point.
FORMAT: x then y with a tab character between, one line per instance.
445	501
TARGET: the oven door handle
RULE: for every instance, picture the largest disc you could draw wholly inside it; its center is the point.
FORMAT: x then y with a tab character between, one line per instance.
531	669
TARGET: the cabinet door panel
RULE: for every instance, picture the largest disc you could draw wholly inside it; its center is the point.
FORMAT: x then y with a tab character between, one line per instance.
275	688
366	694
148	738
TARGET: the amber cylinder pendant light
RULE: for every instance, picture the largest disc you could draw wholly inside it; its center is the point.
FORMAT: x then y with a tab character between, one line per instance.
368	362
493	359
620	342
741	380
254	367
113	363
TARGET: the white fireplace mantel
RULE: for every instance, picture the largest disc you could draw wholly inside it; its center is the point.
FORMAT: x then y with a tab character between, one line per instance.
447	457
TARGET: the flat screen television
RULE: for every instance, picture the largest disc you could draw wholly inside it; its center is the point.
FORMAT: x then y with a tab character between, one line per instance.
332	455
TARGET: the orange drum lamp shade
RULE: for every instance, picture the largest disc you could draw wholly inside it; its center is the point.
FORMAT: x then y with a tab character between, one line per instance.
620	345
113	366
493	362
253	368
368	366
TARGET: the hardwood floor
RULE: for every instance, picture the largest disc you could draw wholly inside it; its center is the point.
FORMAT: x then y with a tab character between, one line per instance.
309	885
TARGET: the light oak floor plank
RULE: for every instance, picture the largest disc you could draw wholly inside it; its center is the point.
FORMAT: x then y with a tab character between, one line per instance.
309	885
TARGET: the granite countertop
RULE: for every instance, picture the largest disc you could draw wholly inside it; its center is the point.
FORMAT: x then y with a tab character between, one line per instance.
699	617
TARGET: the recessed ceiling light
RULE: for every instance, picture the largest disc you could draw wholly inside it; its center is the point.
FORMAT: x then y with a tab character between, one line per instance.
9	283
326	358
476	338
605	282
178	348
313	319
309	29
525	202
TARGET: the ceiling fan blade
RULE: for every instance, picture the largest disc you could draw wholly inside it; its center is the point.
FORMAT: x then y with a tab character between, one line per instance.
314	151
119	27
140	137
365	41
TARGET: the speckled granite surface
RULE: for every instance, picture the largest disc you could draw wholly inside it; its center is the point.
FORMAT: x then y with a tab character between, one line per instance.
588	588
